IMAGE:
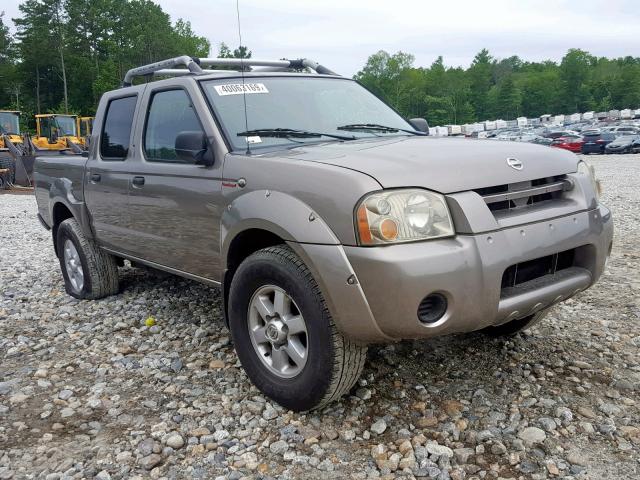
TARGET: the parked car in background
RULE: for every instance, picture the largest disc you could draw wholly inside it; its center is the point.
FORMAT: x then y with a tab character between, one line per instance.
558	133
596	141
623	144
624	130
573	143
540	140
635	146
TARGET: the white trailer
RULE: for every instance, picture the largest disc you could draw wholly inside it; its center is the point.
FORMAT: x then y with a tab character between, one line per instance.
501	123
626	114
614	114
558	120
546	118
574	118
490	125
454	129
588	115
636	113
522	121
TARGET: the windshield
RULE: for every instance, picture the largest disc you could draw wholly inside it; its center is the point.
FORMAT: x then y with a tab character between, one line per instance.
9	123
302	103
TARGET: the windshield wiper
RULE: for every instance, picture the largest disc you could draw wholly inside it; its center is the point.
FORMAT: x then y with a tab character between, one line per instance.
290	132
374	127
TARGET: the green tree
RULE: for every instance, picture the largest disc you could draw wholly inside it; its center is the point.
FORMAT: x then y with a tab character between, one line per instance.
480	82
509	99
574	75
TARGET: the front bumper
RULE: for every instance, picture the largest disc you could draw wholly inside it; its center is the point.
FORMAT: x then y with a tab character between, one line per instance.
381	301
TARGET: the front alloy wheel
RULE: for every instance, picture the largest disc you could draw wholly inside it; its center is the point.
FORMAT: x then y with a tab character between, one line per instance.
284	334
278	331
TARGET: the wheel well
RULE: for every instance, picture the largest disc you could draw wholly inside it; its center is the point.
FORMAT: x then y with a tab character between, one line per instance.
59	214
243	245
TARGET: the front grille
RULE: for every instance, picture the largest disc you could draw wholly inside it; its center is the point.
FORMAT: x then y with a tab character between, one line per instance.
530	270
512	196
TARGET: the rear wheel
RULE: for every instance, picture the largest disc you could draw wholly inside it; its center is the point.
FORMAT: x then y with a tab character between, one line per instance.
7	162
89	272
515	326
284	334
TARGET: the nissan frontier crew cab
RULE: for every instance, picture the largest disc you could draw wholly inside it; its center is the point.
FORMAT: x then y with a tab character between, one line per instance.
328	221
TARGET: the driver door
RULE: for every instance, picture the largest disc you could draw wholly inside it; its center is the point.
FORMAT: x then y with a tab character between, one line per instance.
174	206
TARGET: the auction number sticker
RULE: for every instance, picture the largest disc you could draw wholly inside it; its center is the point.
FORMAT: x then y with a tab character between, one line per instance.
240	88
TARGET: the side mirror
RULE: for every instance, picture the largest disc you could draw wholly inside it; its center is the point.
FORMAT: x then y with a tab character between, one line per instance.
420	124
191	147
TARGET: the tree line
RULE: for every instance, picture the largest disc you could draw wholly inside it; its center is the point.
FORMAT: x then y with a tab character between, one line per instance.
502	88
66	53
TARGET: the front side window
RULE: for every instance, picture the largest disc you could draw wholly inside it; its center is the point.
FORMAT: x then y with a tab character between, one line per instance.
116	132
169	114
321	105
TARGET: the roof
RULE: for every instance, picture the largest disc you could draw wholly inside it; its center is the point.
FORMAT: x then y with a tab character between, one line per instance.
42	115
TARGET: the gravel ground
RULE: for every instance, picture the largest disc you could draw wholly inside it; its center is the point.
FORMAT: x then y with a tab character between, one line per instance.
88	390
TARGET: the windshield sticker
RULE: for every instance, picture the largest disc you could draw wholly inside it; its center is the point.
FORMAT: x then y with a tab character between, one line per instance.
240	88
254	139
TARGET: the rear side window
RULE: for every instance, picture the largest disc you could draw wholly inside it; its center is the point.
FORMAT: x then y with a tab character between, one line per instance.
170	113
116	132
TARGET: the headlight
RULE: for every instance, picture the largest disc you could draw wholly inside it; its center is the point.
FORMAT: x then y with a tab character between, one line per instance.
585	169
406	215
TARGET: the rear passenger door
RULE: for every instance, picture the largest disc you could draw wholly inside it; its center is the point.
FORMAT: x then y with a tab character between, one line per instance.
175	206
106	175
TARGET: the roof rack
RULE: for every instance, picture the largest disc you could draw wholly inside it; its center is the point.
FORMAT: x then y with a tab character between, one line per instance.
194	67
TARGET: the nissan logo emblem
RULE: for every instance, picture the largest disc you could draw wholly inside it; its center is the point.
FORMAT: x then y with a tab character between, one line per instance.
515	163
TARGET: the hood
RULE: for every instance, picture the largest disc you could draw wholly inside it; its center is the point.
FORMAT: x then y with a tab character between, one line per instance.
444	165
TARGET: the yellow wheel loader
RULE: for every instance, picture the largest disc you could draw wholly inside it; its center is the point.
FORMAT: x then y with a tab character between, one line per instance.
10	139
84	127
56	132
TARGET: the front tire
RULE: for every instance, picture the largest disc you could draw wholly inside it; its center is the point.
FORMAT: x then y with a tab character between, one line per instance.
284	334
89	272
516	326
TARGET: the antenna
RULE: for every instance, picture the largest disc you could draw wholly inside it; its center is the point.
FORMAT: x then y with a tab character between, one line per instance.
244	92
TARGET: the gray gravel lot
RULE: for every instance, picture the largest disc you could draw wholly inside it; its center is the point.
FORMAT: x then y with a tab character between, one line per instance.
88	390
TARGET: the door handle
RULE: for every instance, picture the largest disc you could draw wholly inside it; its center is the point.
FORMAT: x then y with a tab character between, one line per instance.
96	177
138	181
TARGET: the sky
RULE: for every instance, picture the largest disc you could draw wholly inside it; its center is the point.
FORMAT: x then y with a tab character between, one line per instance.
341	34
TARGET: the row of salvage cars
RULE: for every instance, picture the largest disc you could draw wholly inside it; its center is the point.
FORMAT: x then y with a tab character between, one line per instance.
599	142
585	139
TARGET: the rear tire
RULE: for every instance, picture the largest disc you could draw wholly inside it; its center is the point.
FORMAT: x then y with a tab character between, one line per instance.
6	161
330	364
516	326
89	272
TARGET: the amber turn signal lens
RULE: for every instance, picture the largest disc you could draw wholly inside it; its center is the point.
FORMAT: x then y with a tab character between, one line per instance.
388	229
363	226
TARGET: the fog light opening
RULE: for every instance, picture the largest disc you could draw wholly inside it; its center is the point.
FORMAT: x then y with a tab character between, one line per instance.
432	308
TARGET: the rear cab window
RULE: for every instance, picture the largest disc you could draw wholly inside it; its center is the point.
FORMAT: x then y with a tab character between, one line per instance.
116	130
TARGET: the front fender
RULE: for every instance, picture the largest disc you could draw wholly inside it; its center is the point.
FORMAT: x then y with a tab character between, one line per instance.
277	212
316	244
